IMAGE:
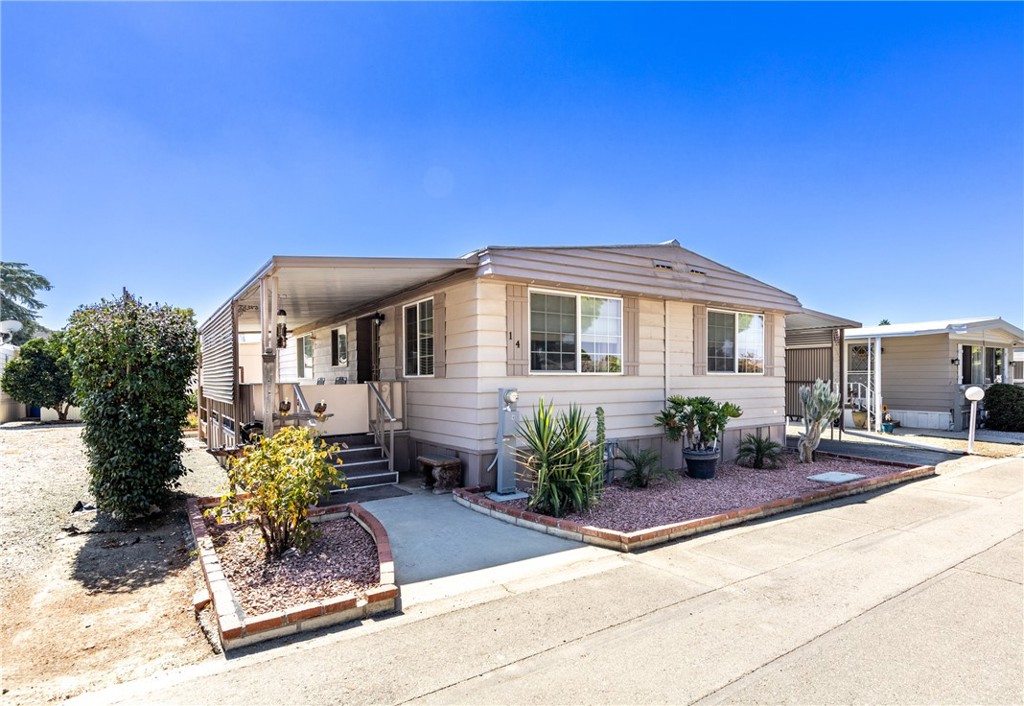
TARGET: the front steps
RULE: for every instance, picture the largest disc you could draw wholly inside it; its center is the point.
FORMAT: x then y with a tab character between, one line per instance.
363	462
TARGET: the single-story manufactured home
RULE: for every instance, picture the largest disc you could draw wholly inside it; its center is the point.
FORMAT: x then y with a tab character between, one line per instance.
416	349
920	371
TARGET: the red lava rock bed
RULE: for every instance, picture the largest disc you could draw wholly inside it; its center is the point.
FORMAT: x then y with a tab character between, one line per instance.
734	487
342	560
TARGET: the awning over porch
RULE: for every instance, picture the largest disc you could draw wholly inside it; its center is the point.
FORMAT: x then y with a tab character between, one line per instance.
314	291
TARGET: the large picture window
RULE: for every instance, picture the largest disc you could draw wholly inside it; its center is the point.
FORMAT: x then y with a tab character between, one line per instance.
735	342
575	333
419	338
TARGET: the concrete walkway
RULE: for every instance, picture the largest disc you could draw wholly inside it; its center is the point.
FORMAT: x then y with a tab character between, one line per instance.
908	596
442	549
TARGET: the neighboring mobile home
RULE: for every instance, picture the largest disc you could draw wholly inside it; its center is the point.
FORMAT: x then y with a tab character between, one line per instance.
429	342
919	371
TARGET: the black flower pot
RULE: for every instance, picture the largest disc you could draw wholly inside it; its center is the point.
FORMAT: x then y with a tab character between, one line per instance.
701	464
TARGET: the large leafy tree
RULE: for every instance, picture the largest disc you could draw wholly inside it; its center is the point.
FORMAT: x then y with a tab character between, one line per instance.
41	375
18	287
131	365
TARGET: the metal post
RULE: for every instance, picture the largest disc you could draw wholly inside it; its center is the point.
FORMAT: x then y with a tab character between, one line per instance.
877	388
268	323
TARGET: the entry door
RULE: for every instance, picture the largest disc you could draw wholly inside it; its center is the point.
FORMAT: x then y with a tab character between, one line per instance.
367	350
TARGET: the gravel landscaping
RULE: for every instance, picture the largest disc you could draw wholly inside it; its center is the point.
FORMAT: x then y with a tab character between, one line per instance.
341	561
734	487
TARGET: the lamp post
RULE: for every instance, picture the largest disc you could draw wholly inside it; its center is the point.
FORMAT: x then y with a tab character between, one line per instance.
974	394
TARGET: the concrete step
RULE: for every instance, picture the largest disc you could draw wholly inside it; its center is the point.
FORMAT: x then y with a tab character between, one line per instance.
359	453
353	440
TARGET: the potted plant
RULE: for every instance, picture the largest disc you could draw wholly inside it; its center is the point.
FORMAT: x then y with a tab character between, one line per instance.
699	422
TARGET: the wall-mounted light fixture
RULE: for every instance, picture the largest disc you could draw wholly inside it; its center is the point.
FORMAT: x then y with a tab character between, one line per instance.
282	328
954	361
378	318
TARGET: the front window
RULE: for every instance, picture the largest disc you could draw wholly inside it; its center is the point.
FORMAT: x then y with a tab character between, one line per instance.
339	346
575	333
304	356
981	365
735	342
419	338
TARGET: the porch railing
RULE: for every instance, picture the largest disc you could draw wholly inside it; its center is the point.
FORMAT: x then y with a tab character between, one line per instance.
382	423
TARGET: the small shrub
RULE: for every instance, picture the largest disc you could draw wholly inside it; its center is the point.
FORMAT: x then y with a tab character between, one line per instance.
275	482
642	466
759	452
1004	405
565	469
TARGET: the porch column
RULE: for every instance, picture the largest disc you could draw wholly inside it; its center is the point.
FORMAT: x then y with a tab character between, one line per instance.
877	389
268	339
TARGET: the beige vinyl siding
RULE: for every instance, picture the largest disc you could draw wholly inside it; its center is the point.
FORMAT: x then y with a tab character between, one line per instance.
917	373
460	411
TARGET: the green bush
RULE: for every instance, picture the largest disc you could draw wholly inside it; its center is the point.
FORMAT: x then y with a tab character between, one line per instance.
642	466
1004	405
275	482
759	452
131	364
41	375
564	468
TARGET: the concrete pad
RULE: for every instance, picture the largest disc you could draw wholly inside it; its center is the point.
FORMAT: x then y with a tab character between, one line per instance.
779	542
898	506
997	480
835	477
1005	560
937	644
432	536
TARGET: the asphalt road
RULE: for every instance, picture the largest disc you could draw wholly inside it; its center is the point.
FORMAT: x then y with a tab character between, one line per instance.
913	595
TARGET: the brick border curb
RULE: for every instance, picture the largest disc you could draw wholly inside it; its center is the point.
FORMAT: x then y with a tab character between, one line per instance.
236	629
629	541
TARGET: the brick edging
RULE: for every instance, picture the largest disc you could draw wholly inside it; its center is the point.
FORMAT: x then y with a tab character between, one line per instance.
237	629
629	541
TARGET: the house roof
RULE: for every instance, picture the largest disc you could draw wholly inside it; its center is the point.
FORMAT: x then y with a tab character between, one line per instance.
661	270
318	290
975	324
807	319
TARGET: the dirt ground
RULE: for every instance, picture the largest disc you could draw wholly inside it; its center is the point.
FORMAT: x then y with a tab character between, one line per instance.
89	602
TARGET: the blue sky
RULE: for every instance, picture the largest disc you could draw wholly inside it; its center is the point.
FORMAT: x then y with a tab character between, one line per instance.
868	158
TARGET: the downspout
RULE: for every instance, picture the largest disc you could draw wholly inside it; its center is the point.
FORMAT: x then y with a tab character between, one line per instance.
268	324
668	374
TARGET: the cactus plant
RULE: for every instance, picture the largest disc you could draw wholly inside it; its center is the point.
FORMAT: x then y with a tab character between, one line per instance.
821	407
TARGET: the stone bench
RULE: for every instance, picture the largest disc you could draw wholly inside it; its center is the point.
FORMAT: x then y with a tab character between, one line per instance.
440	473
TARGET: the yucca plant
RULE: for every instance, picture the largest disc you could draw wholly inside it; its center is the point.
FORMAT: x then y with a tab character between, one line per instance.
564	468
643	466
759	452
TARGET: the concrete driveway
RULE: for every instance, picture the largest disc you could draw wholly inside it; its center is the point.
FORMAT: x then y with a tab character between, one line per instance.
913	595
442	549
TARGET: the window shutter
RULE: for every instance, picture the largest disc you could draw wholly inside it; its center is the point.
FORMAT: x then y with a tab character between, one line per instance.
439	337
517	320
398	326
334	346
770	368
700	339
631	336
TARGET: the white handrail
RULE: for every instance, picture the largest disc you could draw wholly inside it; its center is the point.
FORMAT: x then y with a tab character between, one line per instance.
382	408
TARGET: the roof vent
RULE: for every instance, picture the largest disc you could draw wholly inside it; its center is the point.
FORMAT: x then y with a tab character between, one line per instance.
663	265
697	271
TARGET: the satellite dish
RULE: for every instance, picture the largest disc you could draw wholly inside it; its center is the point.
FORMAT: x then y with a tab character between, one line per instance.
10	326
